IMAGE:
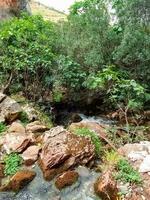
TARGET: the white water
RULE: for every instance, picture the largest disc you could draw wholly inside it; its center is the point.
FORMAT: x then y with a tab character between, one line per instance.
97	119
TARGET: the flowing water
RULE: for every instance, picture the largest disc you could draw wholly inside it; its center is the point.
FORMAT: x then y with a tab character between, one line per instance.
39	189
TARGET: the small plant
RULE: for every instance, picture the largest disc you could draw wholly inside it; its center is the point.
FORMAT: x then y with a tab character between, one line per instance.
12	162
2	128
126	173
95	139
24	118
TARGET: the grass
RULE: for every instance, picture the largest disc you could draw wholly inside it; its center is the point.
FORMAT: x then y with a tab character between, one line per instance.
12	163
94	138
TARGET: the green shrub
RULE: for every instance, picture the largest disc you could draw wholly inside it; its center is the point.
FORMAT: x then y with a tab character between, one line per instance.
126	173
3	128
12	163
85	132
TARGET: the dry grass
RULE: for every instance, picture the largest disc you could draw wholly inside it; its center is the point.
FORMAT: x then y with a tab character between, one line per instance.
47	13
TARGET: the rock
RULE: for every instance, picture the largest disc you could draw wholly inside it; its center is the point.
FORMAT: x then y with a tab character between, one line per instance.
16	127
95	127
16	141
9	110
1	170
145	165
36	127
12	8
31	112
64	150
136	147
2	97
106	187
18	181
66	179
31	154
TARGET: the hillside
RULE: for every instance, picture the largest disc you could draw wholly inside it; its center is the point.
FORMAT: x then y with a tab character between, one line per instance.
47	13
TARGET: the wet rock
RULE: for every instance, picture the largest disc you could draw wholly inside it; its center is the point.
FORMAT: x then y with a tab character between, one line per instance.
36	127
16	127
106	187
19	180
64	150
9	109
30	155
66	179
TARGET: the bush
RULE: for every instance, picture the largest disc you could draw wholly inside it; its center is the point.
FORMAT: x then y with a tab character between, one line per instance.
27	52
12	163
85	132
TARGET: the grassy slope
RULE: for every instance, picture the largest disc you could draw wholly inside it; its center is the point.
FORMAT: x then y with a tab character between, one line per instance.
47	13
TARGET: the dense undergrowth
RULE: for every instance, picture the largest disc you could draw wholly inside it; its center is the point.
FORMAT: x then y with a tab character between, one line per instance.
88	54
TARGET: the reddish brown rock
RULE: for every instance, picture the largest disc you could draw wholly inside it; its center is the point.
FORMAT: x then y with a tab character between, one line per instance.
64	150
66	179
106	187
36	127
19	180
31	154
95	127
9	8
16	142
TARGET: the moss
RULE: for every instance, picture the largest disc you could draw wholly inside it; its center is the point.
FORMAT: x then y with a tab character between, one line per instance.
94	138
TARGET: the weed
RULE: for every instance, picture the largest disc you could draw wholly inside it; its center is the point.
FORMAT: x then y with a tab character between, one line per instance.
126	173
12	162
95	139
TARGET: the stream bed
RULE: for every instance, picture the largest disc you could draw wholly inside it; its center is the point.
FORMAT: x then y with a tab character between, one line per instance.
39	189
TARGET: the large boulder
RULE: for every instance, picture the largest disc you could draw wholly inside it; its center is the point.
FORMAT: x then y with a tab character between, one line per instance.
9	109
18	181
63	150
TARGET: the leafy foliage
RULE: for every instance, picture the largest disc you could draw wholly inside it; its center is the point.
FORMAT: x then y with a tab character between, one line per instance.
126	173
88	133
12	162
24	118
27	51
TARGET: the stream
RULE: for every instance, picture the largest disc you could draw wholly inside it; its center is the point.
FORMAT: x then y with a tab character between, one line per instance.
39	189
